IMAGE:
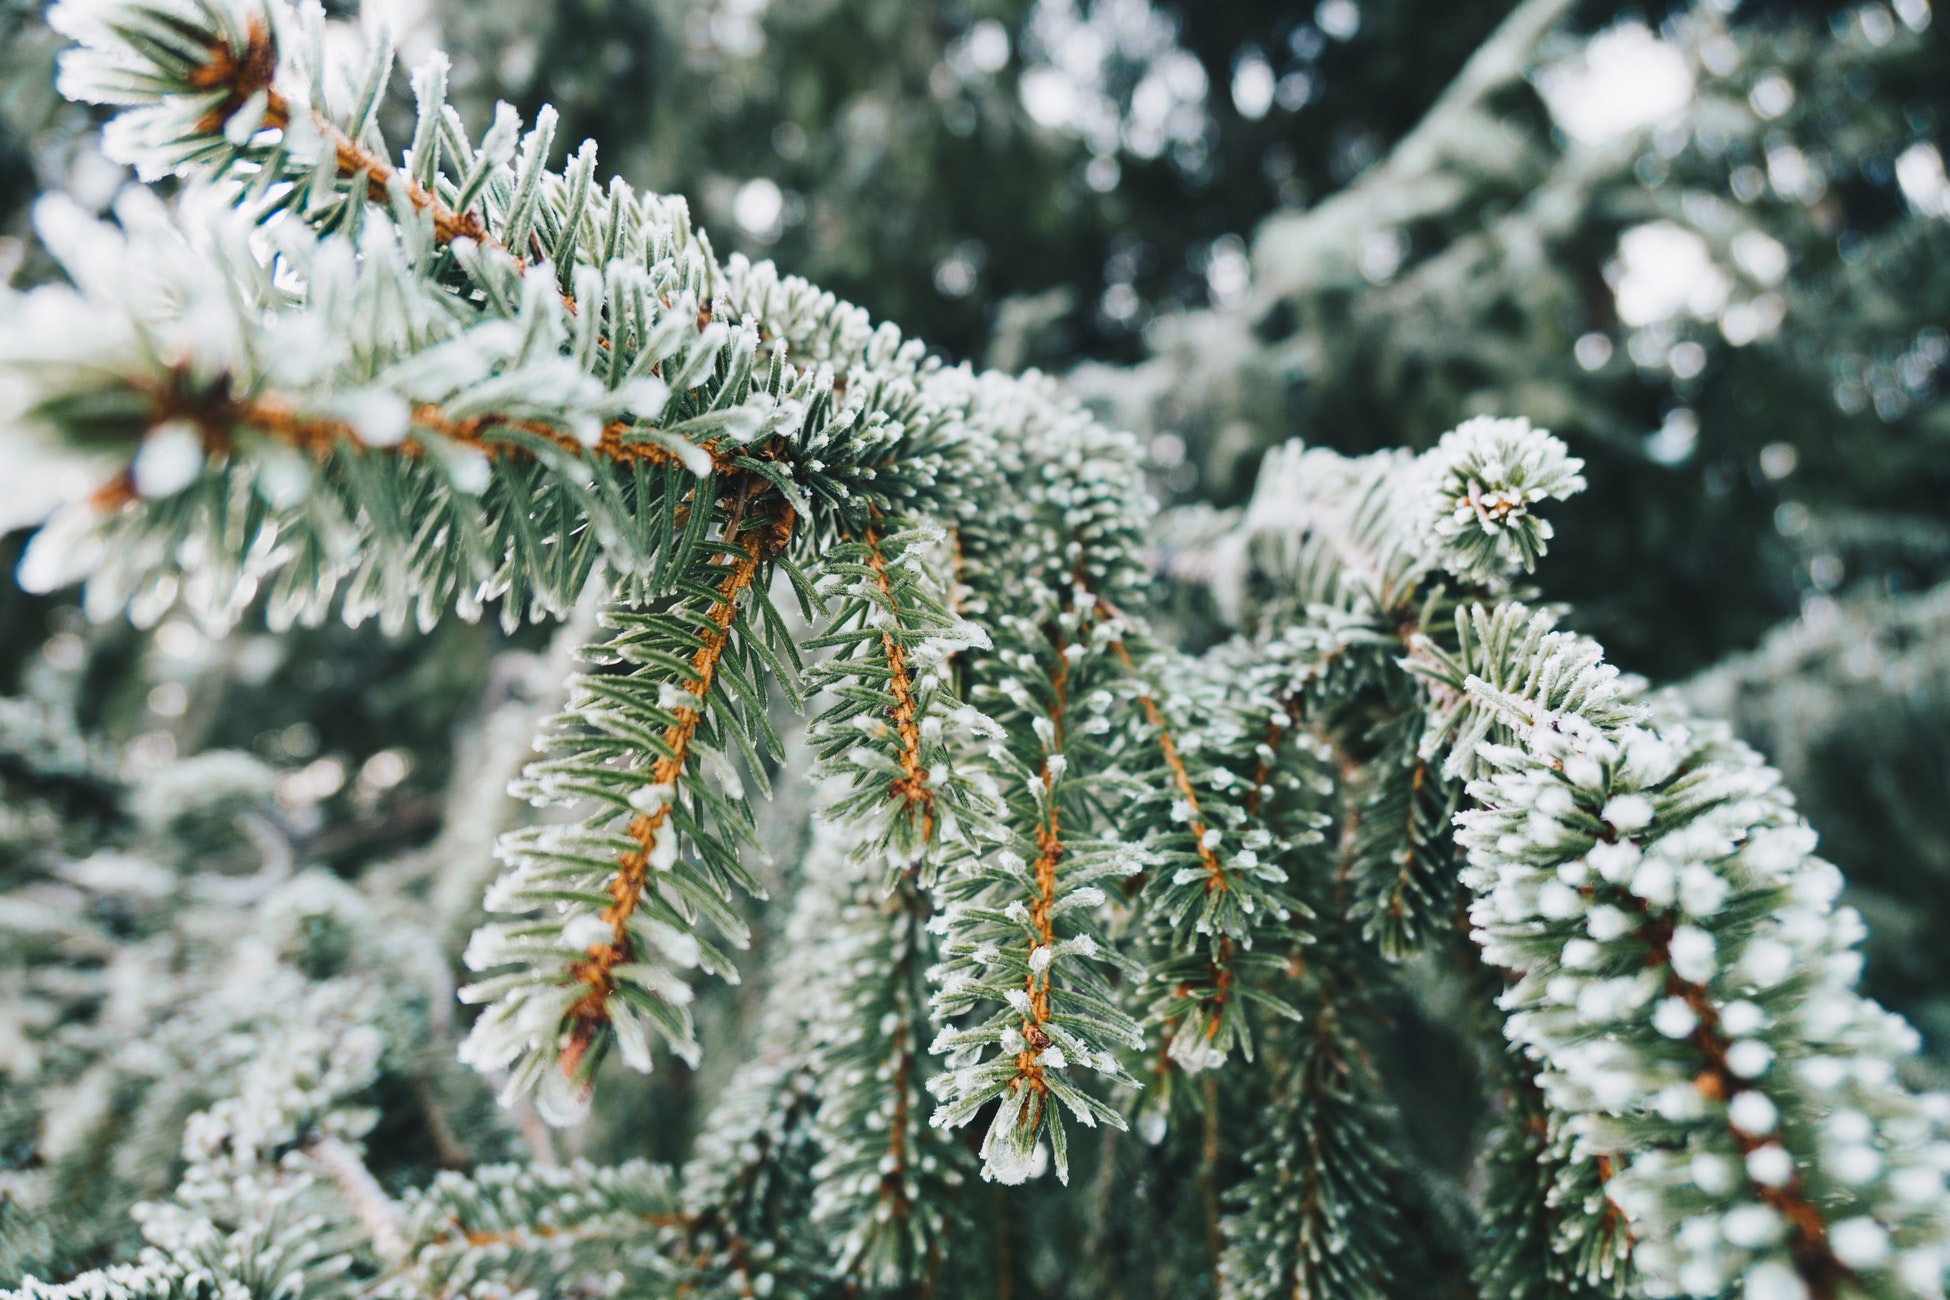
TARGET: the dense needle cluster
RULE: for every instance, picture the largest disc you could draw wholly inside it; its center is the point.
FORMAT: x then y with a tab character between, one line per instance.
1062	873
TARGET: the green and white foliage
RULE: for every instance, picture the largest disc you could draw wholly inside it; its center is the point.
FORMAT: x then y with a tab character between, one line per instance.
1688	987
1026	960
886	1185
626	324
904	750
816	1170
549	1231
1403	865
303	401
1338	572
1319	1213
1059	864
1489	473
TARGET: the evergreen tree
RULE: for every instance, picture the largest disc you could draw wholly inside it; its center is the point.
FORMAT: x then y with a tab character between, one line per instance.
1277	894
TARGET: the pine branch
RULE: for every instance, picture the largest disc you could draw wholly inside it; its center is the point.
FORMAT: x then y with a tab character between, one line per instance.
1022	938
1405	873
247	1215
553	1228
651	828
1225	930
1546	722
904	792
1317	1214
899	748
1040	1024
1675	900
262	113
595	973
886	1182
1325	1208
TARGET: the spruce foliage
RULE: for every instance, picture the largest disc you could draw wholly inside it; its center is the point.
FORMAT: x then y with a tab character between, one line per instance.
1065	880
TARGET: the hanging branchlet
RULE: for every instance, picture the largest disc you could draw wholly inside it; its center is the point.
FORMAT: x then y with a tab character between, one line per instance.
1024	945
1021	930
620	905
1403	880
1648	877
1319	1212
906	752
907	790
1225	920
1327	1206
886	1182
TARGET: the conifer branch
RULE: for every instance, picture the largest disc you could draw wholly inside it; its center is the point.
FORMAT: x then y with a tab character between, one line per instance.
247	80
912	785
1658	861
219	420
1225	926
651	828
1026	1089
747	1189
885	1179
1210	996
1716	1082
452	376
1023	941
899	745
1325	1205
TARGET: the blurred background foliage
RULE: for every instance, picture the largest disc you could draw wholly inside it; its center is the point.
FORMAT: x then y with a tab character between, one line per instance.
1707	243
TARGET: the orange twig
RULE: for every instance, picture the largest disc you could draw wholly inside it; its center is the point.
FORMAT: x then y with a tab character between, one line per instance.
912	784
597	971
243	76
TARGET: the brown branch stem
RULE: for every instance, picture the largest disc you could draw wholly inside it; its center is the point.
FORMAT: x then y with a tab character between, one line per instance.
597	971
242	77
912	785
